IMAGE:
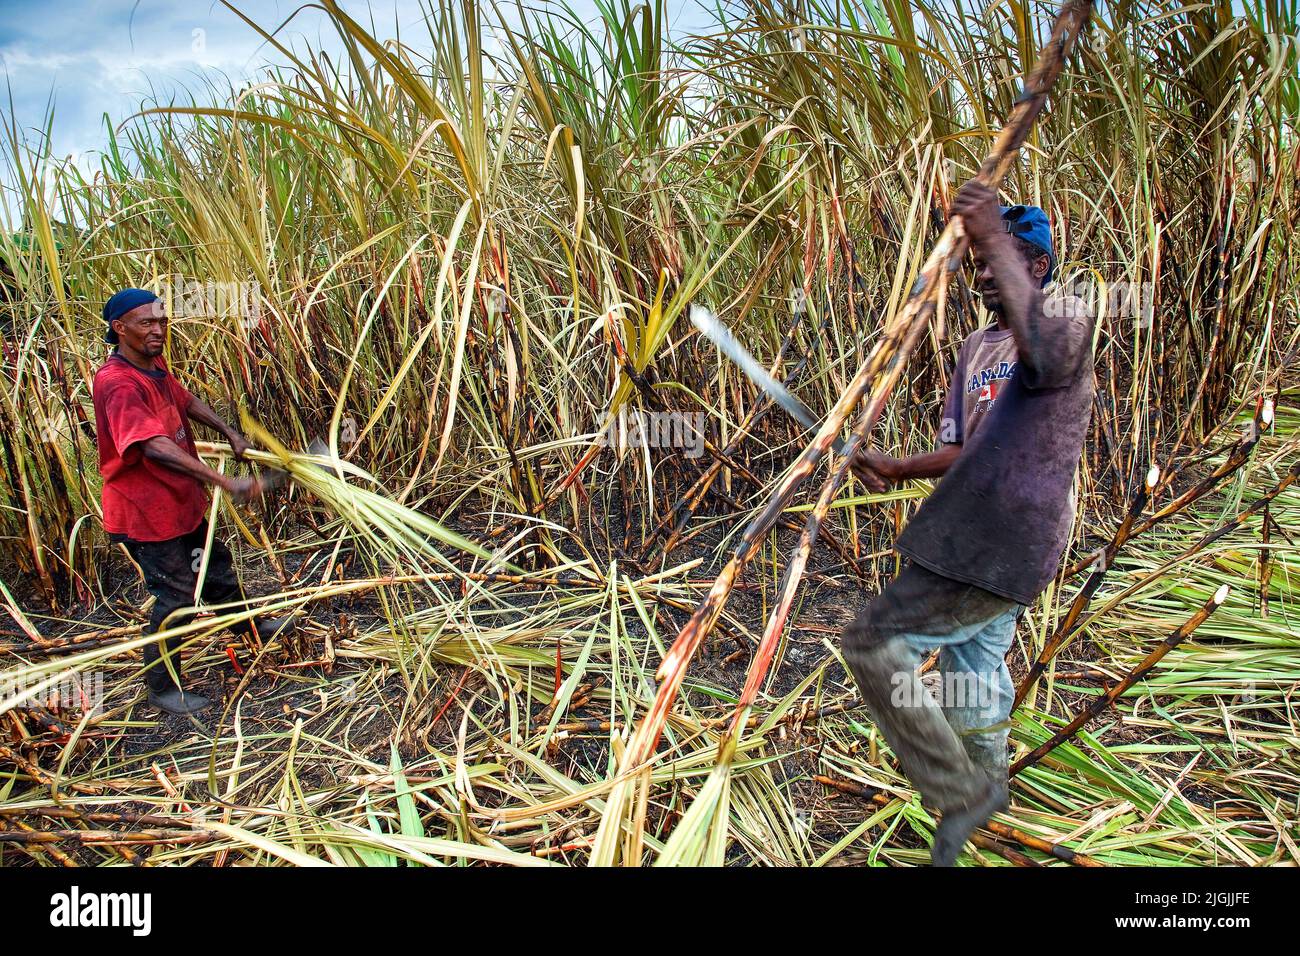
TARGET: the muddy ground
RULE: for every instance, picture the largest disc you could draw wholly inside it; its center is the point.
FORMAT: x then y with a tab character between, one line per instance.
282	691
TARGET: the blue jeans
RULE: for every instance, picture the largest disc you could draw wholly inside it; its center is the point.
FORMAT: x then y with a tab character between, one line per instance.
975	690
950	747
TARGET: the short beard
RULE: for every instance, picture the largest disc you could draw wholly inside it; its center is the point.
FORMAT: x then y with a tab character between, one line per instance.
991	303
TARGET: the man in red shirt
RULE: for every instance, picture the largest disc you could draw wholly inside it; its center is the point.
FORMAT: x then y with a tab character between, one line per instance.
154	501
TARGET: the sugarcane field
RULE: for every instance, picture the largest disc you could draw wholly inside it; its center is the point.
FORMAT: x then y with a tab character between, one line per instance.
650	433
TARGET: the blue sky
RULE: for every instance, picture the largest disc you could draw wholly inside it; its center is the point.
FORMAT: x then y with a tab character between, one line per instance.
92	57
104	56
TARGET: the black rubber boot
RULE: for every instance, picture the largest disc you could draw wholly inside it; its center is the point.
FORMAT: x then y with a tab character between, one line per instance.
957	824
269	627
176	701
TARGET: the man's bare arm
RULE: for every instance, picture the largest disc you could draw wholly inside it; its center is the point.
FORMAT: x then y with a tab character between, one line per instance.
1050	347
889	470
167	453
201	412
1020	296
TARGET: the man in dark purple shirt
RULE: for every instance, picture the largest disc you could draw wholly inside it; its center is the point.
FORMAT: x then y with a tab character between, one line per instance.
990	537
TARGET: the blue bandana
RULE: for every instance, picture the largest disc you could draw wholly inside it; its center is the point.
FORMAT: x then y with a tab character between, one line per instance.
1030	224
120	304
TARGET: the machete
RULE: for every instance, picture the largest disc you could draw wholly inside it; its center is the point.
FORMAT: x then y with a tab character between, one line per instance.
717	333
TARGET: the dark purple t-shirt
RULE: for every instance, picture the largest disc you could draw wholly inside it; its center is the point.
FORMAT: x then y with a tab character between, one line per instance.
1001	516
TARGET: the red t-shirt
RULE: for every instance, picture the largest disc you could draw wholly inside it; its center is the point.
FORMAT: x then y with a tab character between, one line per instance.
144	500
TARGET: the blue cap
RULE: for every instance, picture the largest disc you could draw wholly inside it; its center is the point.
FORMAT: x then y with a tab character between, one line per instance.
1030	224
120	304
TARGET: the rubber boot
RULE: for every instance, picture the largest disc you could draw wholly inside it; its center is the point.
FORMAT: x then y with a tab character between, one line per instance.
176	701
958	823
269	627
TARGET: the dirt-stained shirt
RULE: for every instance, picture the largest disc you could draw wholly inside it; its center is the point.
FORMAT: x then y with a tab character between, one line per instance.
1001	517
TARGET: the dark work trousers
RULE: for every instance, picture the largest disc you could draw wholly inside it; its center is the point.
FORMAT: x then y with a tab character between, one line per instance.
171	571
951	746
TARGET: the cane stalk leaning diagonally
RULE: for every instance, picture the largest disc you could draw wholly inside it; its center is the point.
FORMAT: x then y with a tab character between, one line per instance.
1291	477
1237	456
1176	637
1101	564
877	375
1130	528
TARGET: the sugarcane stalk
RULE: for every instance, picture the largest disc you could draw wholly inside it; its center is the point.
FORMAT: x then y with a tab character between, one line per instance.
108	837
1226	212
92	816
40	776
34	847
1100	703
1239	455
1292	475
836	545
1129	529
1010	854
1265	558
1101	565
794	571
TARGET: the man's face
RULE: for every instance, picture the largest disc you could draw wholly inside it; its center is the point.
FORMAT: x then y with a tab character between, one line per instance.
144	329
986	285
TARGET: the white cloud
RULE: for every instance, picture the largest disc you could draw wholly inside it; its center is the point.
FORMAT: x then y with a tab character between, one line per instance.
96	57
